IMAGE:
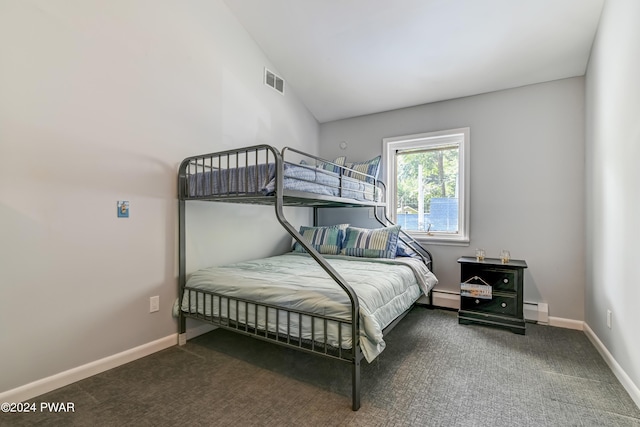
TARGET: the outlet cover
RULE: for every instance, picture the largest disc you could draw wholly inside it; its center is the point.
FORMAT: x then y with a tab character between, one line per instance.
154	304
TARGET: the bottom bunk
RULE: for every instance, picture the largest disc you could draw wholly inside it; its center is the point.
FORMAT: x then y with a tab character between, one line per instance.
291	300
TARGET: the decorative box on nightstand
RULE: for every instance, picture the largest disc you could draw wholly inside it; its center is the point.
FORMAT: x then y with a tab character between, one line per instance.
491	293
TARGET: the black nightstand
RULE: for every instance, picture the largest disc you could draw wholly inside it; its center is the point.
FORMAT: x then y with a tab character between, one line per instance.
491	293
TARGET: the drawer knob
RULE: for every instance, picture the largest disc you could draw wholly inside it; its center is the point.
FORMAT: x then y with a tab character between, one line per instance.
505	280
504	304
477	301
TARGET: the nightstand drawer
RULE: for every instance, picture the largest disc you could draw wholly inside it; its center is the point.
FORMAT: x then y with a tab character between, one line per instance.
500	279
499	304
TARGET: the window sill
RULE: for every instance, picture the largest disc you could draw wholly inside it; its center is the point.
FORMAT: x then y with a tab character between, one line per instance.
444	241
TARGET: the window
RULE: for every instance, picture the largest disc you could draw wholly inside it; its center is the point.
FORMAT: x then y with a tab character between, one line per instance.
428	184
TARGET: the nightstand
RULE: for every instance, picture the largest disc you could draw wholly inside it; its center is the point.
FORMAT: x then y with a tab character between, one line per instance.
491	293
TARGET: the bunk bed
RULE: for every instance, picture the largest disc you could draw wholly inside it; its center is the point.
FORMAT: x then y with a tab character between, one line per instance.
330	295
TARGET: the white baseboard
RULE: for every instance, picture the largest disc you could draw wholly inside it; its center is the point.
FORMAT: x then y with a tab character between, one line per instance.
45	385
620	374
559	322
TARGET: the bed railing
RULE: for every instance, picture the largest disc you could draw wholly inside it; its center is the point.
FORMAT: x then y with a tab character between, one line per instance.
417	247
272	323
355	305
248	175
233	173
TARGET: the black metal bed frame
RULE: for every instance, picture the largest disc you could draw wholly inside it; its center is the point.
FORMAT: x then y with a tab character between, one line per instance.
228	162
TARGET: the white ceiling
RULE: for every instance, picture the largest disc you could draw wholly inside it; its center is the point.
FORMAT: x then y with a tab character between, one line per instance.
347	58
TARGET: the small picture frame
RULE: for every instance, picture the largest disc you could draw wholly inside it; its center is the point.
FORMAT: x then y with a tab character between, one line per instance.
123	209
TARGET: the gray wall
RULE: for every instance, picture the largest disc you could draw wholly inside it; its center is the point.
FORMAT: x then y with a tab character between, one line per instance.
613	177
99	102
527	180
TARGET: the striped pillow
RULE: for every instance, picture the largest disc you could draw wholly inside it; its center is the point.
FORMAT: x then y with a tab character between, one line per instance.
326	240
340	161
370	167
371	243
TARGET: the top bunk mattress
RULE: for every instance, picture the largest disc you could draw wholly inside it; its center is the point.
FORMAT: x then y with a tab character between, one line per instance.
261	180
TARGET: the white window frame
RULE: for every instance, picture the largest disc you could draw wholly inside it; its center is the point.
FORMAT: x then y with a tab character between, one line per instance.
461	137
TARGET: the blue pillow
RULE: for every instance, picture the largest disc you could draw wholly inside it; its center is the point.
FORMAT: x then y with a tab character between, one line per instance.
405	250
371	243
326	240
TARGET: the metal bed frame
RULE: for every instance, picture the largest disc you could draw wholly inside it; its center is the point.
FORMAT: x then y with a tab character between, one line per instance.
239	161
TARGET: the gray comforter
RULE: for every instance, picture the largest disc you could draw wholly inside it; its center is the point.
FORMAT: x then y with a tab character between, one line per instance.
385	289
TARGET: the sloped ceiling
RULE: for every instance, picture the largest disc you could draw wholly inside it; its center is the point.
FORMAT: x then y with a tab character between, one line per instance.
347	58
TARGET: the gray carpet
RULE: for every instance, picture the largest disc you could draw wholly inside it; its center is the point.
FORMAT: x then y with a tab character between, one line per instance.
433	372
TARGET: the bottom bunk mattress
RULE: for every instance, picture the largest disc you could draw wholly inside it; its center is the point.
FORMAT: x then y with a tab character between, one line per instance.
296	283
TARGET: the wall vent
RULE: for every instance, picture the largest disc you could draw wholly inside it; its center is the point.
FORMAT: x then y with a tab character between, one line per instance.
273	81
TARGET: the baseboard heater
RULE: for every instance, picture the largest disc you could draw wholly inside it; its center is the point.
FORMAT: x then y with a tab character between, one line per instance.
447	299
536	312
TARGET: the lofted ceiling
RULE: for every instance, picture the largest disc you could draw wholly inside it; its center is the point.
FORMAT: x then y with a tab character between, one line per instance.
346	58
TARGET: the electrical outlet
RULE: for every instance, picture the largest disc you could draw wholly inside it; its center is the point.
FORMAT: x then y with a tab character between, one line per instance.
609	319
154	304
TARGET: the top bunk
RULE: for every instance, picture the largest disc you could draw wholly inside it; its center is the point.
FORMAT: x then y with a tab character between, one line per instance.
262	175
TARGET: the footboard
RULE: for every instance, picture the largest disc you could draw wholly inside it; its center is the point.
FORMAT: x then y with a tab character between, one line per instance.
310	332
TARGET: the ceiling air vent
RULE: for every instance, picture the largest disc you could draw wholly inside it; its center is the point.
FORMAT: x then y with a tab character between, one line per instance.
274	81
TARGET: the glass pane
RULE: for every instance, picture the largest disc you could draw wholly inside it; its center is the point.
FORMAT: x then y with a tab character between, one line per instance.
427	190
